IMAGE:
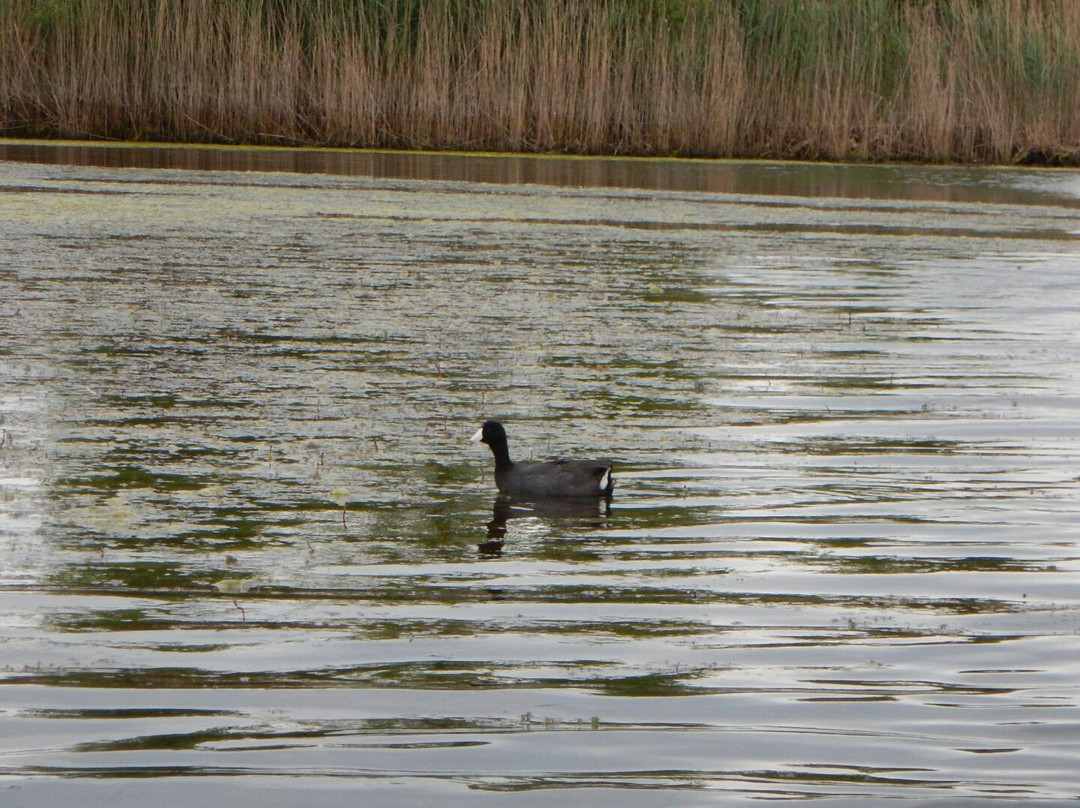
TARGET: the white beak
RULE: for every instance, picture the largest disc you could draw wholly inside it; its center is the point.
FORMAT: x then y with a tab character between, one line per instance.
479	436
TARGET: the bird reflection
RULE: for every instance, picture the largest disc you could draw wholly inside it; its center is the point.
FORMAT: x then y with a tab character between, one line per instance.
506	508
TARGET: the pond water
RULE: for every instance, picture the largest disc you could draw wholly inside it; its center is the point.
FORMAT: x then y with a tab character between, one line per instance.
245	541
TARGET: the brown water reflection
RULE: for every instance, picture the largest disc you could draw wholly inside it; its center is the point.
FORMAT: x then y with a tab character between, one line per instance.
805	180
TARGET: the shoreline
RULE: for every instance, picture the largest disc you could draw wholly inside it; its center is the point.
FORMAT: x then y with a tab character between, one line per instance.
860	81
1064	160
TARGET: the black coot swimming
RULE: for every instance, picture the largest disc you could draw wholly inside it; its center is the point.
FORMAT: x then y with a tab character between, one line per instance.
554	478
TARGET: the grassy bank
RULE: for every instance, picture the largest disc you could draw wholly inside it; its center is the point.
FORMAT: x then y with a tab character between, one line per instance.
938	80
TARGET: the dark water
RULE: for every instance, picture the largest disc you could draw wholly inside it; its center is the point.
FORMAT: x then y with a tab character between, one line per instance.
240	522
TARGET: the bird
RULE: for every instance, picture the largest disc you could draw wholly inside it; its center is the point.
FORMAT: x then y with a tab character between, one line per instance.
554	478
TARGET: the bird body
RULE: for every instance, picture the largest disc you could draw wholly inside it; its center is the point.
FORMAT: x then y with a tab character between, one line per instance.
566	477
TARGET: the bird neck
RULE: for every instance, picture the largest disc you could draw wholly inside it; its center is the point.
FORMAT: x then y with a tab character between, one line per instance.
502	456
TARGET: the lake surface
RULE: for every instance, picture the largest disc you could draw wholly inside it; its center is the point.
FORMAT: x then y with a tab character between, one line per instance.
248	554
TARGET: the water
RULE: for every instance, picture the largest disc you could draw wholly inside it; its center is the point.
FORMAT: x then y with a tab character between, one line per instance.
244	537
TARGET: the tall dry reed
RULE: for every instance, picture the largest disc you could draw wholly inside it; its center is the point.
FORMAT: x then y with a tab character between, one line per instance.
836	79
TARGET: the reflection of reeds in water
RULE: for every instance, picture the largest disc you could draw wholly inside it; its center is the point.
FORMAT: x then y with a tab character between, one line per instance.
963	79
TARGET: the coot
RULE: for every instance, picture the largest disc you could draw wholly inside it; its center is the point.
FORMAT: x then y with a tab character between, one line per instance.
554	478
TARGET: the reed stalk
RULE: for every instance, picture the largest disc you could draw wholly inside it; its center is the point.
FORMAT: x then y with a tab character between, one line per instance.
930	80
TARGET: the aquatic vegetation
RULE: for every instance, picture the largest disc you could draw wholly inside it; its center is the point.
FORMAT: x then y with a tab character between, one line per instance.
834	79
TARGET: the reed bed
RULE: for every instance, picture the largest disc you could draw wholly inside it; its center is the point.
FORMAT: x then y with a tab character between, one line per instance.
936	80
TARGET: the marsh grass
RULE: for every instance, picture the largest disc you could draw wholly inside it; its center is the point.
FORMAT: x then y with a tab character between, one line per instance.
834	79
